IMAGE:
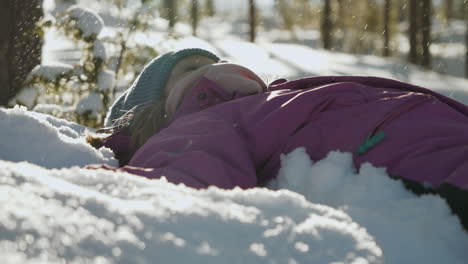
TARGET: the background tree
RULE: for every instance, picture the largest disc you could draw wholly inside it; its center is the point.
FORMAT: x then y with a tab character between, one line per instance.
194	13
466	37
386	30
451	9
341	17
413	29
252	20
20	44
448	10
347	28
419	32
371	30
327	25
426	33
402	7
295	13
170	12
286	14
210	8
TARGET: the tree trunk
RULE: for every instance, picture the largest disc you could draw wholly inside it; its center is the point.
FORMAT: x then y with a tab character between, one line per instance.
20	45
413	31
326	25
426	33
194	17
210	8
387	21
341	15
466	38
340	24
448	10
5	52
287	16
252	20
171	12
402	12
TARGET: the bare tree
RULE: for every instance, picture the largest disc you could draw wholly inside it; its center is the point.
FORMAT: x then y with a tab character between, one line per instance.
426	33
386	32
20	44
326	25
194	17
252	20
466	37
284	11
341	14
448	10
413	31
402	13
170	11
210	8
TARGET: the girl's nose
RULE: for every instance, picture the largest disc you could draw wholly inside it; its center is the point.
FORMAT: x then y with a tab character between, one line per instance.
229	69
234	79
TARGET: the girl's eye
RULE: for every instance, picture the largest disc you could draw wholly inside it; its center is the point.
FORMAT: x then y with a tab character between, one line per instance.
193	68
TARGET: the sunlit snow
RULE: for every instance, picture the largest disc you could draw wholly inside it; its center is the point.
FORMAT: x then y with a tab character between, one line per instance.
332	213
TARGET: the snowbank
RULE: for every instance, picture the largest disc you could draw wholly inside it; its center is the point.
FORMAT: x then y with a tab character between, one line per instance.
100	216
409	229
332	214
46	141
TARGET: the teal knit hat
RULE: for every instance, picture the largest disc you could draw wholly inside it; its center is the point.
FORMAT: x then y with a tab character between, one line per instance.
149	85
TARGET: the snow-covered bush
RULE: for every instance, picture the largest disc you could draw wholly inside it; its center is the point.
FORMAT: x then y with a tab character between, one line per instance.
84	23
65	90
83	92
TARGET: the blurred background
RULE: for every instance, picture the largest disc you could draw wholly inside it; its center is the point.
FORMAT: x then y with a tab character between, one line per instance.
71	58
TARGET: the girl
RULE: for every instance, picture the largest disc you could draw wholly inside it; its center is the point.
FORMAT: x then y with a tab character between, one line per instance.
199	121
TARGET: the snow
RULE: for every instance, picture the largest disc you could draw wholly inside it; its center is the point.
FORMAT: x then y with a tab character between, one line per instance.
55	211
396	218
88	21
90	103
50	72
46	141
106	80
89	216
26	97
242	52
307	61
53	109
99	50
48	5
58	48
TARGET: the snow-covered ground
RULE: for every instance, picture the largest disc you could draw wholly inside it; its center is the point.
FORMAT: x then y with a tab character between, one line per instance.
53	210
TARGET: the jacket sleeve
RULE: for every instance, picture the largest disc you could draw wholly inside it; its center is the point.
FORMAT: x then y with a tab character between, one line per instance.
198	151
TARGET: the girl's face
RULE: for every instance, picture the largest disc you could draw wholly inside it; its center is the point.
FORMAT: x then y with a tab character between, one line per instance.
228	76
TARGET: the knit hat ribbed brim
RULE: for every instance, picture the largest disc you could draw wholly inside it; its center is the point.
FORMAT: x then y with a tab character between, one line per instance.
149	85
